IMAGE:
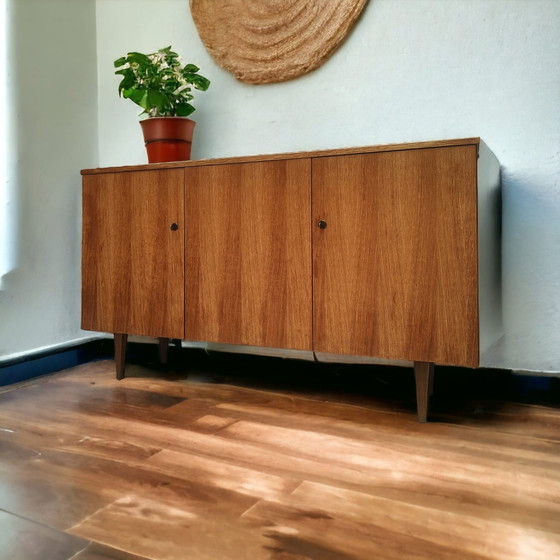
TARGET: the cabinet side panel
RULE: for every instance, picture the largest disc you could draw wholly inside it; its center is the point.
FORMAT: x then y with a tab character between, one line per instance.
132	262
248	260
489	250
395	270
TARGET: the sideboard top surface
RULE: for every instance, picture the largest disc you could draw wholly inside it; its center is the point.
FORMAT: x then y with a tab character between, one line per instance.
293	155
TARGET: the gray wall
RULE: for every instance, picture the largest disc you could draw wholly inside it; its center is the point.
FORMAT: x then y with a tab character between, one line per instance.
53	89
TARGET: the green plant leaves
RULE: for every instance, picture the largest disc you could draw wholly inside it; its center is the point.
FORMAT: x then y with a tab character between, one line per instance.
127	81
139	58
184	109
136	95
198	81
159	82
157	99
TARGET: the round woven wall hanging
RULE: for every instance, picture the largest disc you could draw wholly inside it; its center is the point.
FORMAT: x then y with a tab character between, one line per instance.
263	41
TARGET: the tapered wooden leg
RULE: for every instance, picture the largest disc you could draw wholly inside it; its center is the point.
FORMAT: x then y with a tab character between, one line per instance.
163	348
424	374
120	353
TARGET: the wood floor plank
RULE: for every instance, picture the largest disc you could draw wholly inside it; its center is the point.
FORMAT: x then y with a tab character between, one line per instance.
538	423
29	439
161	466
99	399
56	498
521	450
223	474
413	485
184	387
383	452
309	531
175	526
64	488
464	534
497	418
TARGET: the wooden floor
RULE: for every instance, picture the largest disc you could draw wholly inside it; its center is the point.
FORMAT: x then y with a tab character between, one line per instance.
174	466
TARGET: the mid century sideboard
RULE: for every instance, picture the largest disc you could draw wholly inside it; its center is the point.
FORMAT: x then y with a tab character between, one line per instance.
388	252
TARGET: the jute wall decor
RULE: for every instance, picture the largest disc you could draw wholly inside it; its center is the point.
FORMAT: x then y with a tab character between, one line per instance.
263	41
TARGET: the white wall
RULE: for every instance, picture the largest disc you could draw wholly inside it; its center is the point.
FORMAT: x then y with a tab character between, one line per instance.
53	84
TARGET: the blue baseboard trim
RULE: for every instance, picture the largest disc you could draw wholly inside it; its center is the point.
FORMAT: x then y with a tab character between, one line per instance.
35	365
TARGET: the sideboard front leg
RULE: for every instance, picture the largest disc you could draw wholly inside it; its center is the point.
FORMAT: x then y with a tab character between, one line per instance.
163	347
424	374
120	353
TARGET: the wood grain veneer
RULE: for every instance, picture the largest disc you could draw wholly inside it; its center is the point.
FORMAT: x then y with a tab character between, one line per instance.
132	267
395	271
248	247
289	155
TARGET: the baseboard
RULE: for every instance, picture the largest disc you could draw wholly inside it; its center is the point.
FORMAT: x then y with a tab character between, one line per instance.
42	363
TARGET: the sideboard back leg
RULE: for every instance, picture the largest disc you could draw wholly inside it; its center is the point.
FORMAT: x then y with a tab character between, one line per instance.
424	374
163	347
120	353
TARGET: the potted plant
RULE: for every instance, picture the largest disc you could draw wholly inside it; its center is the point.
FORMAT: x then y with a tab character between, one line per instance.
162	85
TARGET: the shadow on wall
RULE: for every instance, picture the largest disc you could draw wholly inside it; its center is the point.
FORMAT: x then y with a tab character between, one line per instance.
531	271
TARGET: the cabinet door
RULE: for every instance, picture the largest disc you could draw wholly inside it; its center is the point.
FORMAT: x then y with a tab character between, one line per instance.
248	267
395	270
133	260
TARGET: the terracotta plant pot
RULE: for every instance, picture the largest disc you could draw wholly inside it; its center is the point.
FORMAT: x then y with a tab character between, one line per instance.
168	138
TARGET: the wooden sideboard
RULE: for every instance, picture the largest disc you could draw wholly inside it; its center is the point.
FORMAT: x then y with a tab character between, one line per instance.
390	252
